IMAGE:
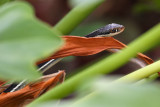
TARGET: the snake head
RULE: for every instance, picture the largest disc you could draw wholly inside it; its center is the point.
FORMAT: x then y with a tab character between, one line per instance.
107	31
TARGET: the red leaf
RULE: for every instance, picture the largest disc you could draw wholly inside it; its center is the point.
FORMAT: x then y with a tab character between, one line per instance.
82	46
31	91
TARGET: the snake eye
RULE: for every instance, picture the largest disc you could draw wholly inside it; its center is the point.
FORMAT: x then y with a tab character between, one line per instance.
114	30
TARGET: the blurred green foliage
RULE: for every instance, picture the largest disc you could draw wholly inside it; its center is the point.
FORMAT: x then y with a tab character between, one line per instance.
23	40
101	92
146	5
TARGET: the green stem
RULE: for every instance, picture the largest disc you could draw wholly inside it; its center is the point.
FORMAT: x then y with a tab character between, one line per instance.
76	16
145	72
148	79
107	65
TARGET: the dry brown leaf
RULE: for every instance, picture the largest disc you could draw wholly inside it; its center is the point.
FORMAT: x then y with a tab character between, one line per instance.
31	91
82	46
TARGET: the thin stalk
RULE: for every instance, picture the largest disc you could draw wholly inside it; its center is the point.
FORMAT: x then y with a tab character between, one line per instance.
107	65
76	16
148	79
141	73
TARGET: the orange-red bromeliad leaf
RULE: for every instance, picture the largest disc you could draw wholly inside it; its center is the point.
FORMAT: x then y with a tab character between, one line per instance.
31	91
82	46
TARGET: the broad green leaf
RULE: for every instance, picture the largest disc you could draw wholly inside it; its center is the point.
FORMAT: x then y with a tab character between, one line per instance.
23	40
104	94
120	95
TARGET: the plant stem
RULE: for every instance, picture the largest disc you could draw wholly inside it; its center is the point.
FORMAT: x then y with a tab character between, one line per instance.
76	16
107	65
148	80
141	73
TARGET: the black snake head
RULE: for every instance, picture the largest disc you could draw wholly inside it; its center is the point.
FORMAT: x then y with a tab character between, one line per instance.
107	31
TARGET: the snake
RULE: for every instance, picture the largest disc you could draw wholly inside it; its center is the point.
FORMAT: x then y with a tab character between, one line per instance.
106	31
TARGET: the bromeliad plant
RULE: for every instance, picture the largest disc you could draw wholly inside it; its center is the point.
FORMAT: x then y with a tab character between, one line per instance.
25	41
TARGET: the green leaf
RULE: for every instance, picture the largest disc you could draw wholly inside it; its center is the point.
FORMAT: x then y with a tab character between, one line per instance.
103	93
119	95
4	1
23	40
